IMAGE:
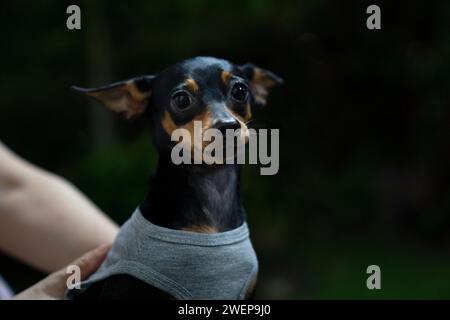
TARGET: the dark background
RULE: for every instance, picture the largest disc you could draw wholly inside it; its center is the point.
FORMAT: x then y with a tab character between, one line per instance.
363	117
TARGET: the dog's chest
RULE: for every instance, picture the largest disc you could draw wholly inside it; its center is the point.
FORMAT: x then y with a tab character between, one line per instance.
184	264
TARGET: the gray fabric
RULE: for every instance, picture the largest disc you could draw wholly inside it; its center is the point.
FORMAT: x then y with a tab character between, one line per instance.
187	265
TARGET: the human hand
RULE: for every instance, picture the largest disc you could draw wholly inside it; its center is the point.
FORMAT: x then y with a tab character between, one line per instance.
54	286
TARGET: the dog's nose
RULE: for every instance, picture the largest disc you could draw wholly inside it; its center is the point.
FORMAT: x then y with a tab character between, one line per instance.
223	124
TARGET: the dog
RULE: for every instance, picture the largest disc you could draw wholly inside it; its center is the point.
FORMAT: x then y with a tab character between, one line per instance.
200	202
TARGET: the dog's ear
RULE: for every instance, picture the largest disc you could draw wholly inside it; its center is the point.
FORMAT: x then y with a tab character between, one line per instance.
261	80
129	97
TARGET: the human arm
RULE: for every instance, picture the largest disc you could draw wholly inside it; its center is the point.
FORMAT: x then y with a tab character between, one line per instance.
44	220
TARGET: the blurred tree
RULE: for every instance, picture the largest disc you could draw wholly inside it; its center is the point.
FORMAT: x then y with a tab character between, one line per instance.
99	58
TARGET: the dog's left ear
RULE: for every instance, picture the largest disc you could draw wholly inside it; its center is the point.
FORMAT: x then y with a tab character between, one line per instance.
261	80
129	97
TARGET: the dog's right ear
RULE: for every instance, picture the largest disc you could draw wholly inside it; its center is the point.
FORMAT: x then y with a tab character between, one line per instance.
129	97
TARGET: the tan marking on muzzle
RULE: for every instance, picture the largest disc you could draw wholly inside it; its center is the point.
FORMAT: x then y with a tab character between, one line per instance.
201	229
241	120
251	288
205	118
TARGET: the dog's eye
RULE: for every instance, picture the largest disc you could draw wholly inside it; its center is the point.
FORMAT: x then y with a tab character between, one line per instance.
181	100
239	92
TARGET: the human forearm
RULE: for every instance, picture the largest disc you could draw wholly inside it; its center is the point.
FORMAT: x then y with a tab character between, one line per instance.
44	220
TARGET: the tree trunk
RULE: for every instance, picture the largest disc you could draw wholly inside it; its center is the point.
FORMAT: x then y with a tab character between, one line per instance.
99	57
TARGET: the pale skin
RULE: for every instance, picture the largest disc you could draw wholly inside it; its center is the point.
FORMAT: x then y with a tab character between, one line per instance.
54	286
46	222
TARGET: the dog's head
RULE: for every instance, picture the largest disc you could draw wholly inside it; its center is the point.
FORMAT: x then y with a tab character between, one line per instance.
216	92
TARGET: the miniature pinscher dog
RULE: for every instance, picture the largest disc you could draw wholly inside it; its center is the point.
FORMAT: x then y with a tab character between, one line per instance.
197	198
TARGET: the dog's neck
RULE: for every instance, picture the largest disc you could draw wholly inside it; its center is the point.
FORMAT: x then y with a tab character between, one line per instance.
202	198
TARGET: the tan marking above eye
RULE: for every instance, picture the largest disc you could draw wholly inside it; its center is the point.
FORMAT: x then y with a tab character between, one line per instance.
226	76
192	85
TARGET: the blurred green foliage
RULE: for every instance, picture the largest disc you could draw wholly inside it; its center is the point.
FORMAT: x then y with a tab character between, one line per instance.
116	176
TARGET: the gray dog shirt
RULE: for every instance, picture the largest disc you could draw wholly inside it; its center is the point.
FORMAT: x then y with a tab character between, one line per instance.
186	265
